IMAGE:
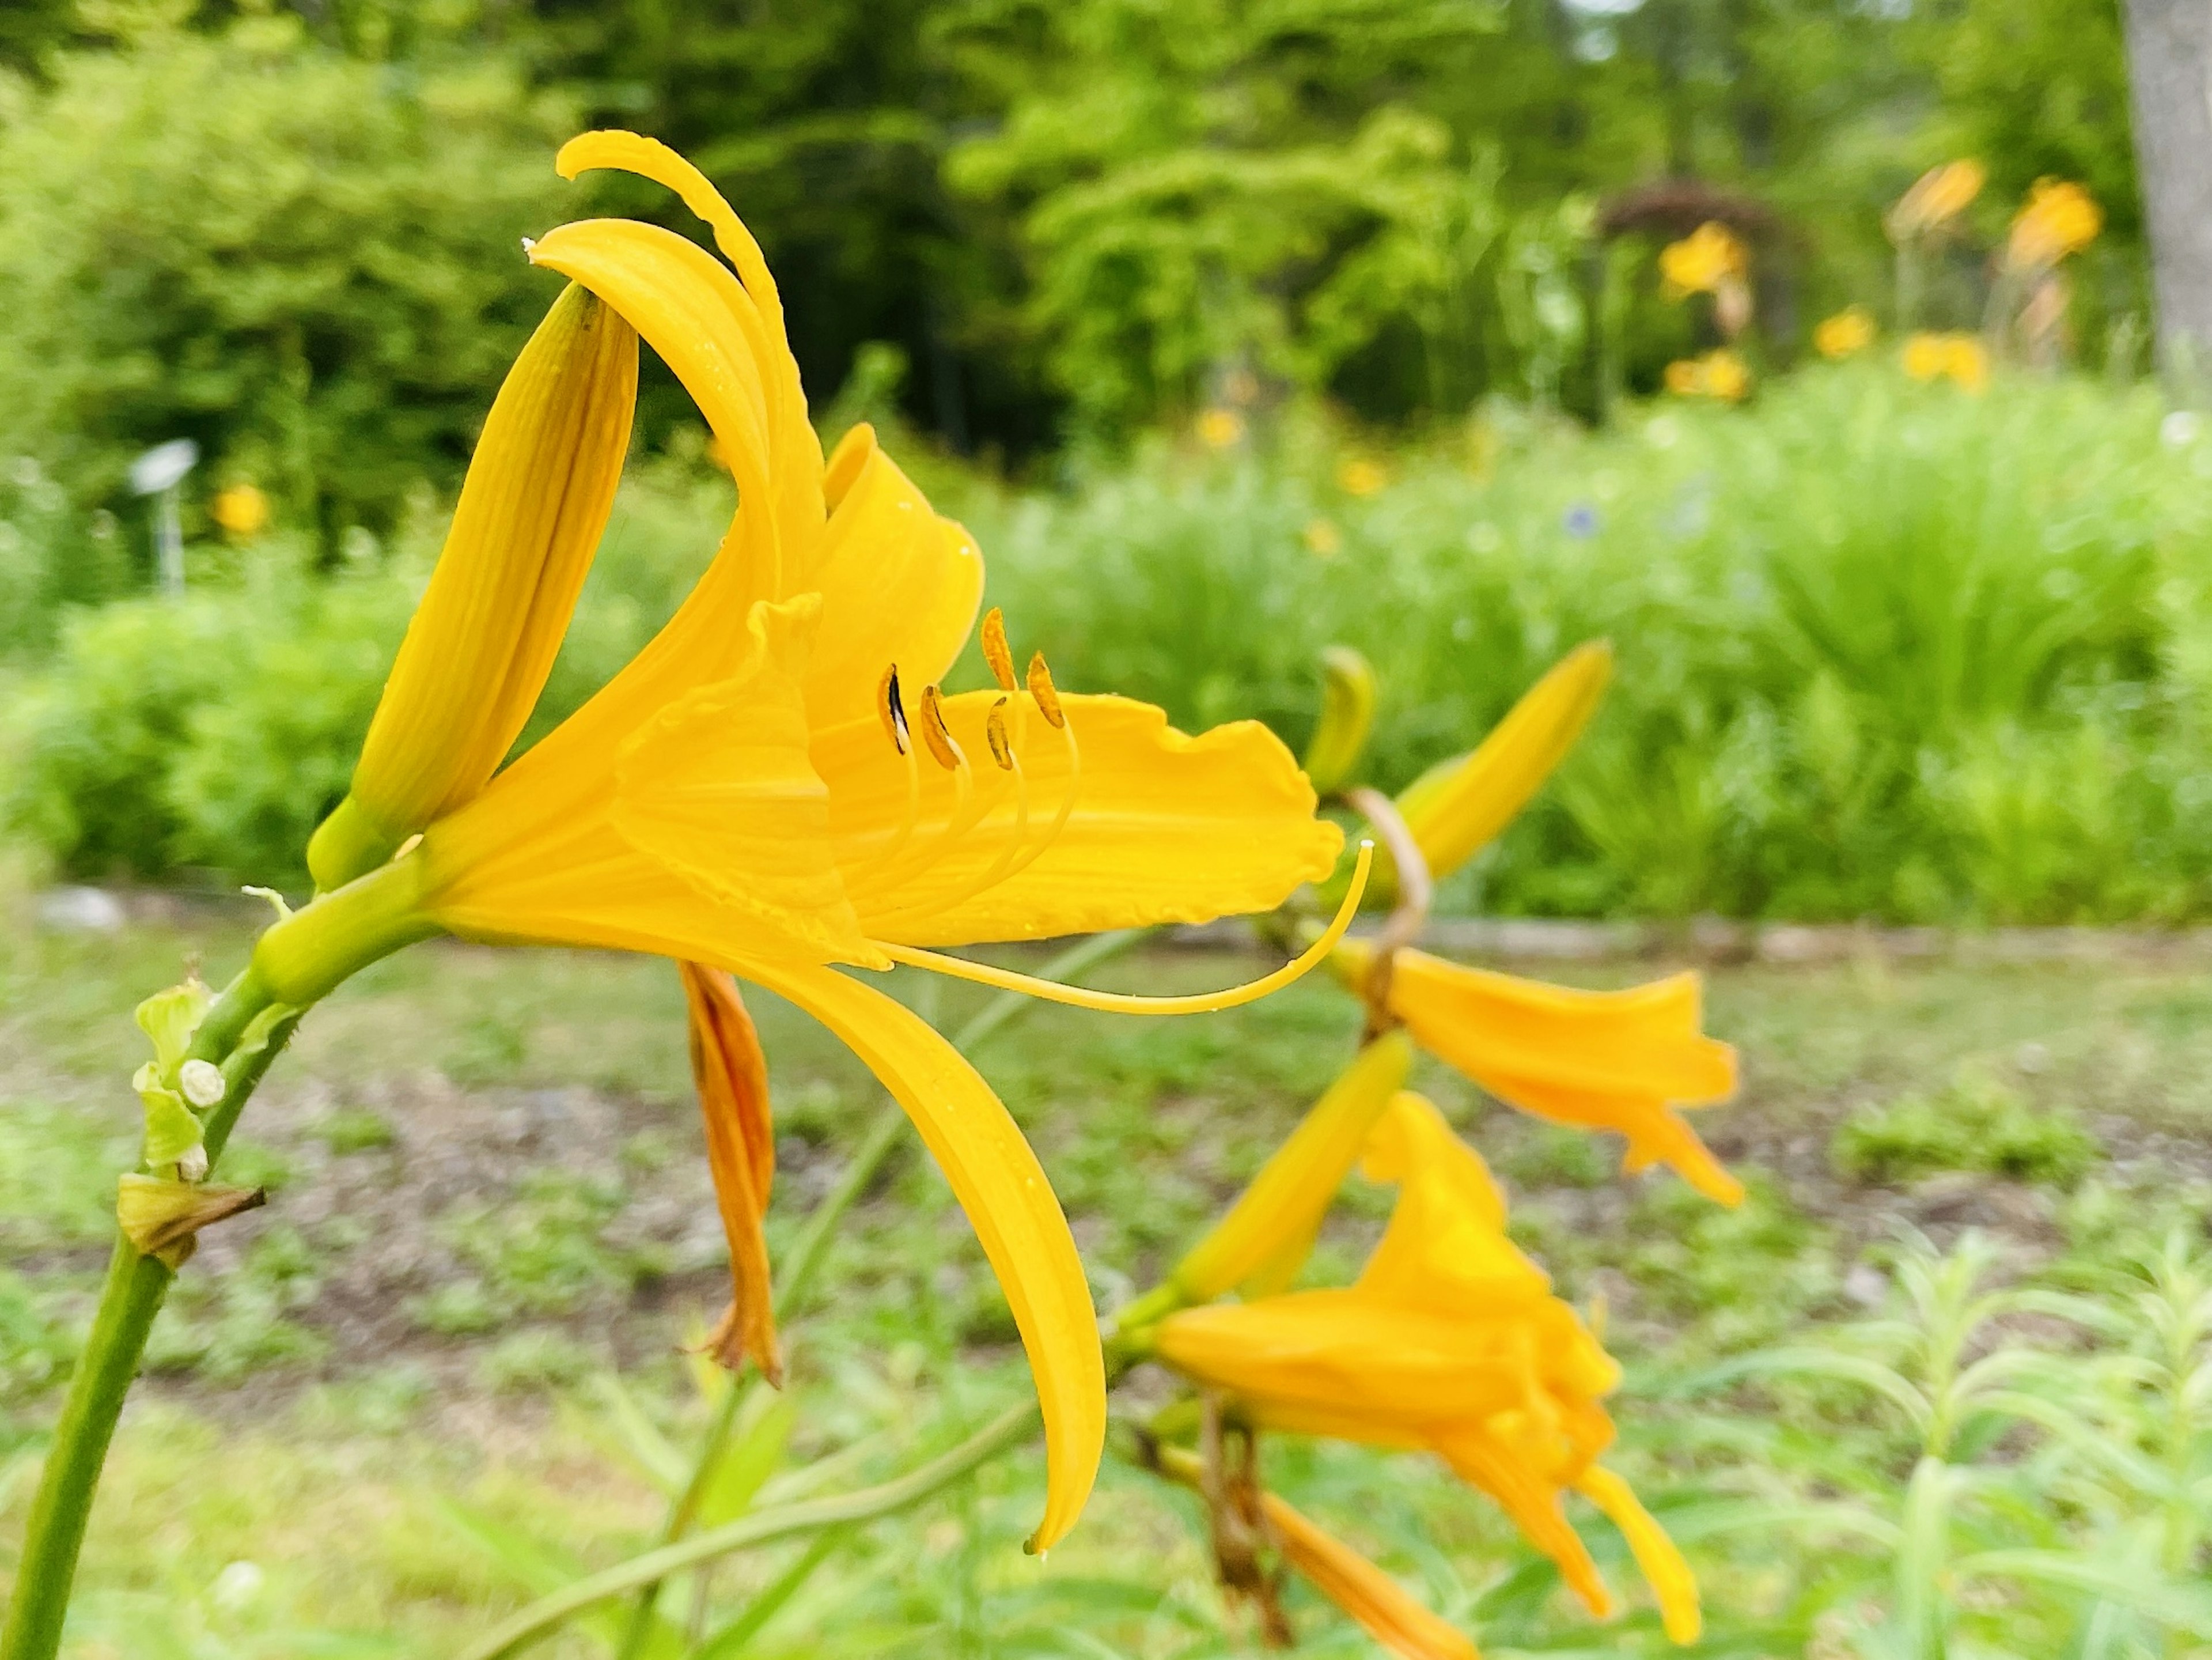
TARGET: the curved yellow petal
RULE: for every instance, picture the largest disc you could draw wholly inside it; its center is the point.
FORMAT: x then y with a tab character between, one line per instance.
1533	1500
1388	1614
899	584
1271	1227
1009	1202
1601	1059
1664	1571
1454	809
1446	1243
482	642
1162	827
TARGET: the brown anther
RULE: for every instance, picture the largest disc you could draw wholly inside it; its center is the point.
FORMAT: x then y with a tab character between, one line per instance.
994	728
1047	694
936	734
891	711
996	652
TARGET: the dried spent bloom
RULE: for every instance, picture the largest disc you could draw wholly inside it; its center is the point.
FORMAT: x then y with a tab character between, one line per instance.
1450	1341
1959	357
730	1072
2059	218
1620	1060
1846	334
1937	196
1219	428
241	512
1703	261
776	786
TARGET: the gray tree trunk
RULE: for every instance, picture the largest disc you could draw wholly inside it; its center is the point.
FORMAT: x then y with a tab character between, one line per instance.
2170	81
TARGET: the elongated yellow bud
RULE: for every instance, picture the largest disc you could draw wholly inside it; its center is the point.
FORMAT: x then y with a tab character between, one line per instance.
1347	714
1456	809
482	641
1269	1232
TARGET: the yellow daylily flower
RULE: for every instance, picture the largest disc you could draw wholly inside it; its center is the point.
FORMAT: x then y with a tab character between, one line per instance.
1846	334
1937	196
1956	357
1219	429
1457	807
2059	218
1620	1060
1384	1607
1450	1341
730	1071
533	508
755	791
241	510
1720	374
1701	262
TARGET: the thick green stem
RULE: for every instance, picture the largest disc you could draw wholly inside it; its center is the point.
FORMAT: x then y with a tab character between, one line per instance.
761	1528
128	1303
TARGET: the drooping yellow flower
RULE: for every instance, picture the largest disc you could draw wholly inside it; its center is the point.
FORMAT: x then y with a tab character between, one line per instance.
532	511
1846	334
1457	807
1937	196
1219	428
1384	1607
1361	477
1620	1060
730	1072
2059	218
1450	1341
1702	261
242	511
760	792
1959	357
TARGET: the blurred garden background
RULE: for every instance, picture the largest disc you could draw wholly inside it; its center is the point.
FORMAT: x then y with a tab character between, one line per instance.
1805	350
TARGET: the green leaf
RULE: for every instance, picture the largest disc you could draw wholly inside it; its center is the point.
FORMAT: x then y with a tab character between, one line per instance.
172	1132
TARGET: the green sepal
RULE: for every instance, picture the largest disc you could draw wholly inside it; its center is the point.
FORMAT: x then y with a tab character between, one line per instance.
170	1018
172	1132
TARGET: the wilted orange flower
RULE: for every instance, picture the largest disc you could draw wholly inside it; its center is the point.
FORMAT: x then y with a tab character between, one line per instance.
1937	196
1957	356
1702	261
242	511
731	1073
1450	1341
2059	218
1846	334
1219	429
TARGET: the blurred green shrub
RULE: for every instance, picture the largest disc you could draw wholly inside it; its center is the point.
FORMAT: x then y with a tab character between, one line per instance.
1975	1125
306	263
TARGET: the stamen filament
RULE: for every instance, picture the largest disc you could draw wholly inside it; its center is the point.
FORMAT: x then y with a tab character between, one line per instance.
983	974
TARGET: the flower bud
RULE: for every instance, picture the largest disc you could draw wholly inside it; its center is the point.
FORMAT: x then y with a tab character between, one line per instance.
482	641
1347	712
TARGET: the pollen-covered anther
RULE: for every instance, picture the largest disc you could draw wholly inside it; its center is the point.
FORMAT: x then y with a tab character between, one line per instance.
891	711
994	728
936	735
996	652
1047	694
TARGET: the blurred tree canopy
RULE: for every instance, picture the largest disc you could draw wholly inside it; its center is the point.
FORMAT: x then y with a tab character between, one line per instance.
288	229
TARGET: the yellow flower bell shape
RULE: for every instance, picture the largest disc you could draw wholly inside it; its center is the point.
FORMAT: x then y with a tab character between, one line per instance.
531	512
2059	218
1620	1060
1450	1341
776	785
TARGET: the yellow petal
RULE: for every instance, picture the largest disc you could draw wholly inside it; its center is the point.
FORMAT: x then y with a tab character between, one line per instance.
899	584
1664	1571
1454	809
1609	1060
1532	1499
704	836
1446	1243
482	641
1271	1226
730	1072
1380	1605
1009	1202
1163	827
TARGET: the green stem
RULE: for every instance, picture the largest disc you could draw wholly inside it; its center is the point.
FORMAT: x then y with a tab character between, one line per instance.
811	1248
128	1303
761	1528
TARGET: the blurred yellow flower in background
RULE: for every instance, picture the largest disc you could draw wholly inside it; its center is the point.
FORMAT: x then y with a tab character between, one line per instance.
1703	260
1956	357
2059	218
1360	476
242	511
1846	334
1219	428
1323	538
1937	196
1720	374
